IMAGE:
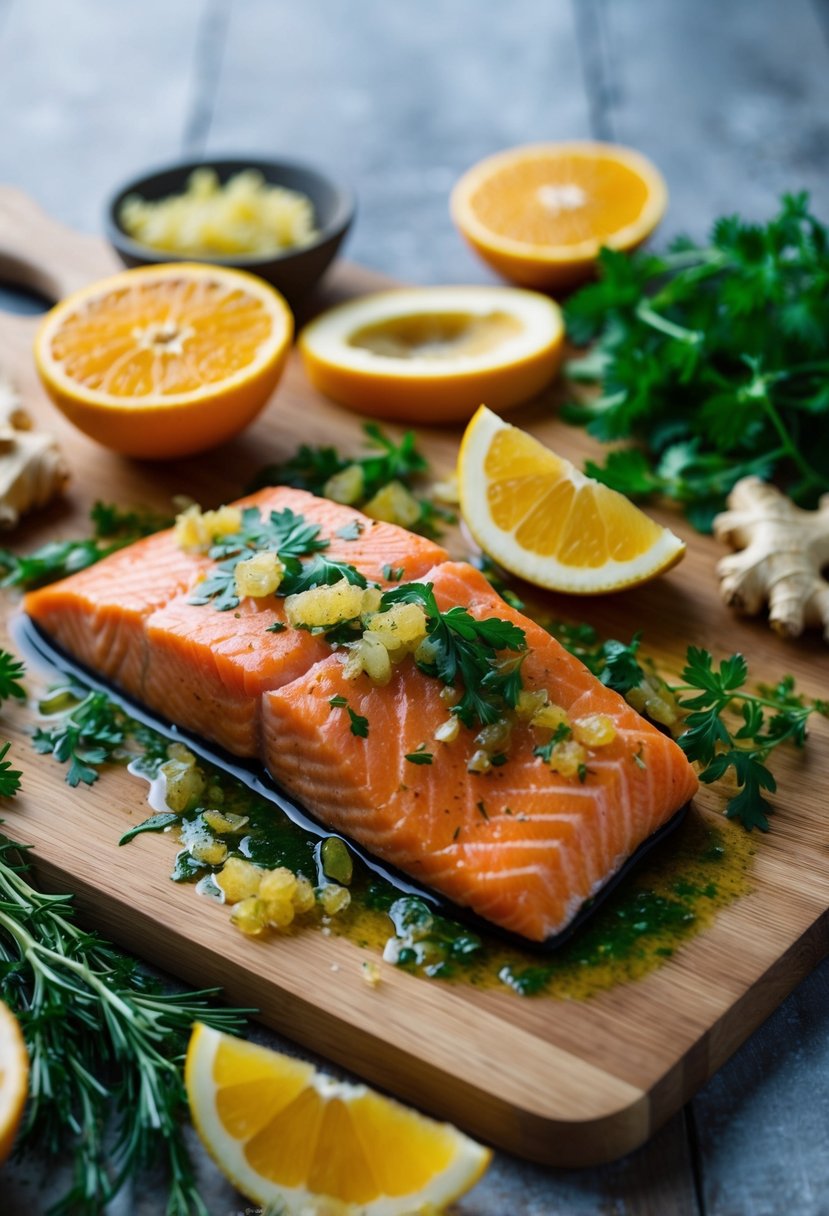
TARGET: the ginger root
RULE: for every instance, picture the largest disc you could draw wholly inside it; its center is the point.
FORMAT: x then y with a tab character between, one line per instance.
32	468
784	551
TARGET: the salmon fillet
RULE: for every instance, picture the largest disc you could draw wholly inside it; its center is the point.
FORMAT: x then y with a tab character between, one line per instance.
520	845
130	619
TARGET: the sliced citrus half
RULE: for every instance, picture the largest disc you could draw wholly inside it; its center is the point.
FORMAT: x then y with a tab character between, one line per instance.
292	1138
540	213
14	1079
541	518
431	354
166	360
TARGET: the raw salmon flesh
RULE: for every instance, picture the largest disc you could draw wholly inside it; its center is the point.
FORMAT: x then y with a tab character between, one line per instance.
520	844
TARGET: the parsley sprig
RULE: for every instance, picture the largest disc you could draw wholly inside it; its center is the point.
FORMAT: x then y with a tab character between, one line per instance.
728	730
715	358
773	716
285	533
463	648
311	468
106	1048
113	529
89	733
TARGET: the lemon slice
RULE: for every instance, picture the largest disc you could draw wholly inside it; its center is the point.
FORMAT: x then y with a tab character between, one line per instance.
167	360
432	354
539	214
14	1079
294	1139
542	519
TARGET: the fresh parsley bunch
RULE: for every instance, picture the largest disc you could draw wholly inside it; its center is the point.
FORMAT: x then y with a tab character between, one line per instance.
715	359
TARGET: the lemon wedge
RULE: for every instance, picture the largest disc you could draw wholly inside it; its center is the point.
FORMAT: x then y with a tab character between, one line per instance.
541	518
295	1140
432	354
14	1079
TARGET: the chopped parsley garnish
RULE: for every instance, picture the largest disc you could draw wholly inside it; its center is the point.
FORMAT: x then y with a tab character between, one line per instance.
276	627
393	574
419	757
319	572
545	750
288	535
90	733
359	724
461	647
708	699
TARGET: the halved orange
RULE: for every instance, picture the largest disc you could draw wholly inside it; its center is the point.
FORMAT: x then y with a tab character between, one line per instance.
166	360
432	354
540	213
544	520
14	1079
297	1141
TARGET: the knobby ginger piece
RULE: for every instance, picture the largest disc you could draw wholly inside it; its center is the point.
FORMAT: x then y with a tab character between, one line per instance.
784	550
32	468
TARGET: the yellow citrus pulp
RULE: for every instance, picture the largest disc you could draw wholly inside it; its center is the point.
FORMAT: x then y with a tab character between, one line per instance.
431	354
541	518
540	213
14	1079
300	1141
166	360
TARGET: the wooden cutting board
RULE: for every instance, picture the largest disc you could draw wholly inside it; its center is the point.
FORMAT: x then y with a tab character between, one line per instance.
565	1082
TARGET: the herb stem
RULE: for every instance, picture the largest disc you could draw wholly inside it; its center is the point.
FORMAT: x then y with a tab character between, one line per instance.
646	314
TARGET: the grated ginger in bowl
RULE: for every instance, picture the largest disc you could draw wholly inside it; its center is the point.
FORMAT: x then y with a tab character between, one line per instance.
246	215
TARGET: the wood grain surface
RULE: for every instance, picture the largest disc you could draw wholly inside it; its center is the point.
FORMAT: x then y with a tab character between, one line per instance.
563	1082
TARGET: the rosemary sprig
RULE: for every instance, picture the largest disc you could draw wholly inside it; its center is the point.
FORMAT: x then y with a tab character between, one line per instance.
106	1048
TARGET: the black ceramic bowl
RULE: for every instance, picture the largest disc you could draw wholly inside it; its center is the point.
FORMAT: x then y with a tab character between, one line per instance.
294	272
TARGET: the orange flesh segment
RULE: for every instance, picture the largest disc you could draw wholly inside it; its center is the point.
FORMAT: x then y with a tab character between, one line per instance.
560	200
122	341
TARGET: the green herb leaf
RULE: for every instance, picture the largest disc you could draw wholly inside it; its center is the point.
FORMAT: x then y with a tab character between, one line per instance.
419	757
713	359
311	468
86	736
467	649
113	529
12	670
9	777
155	823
